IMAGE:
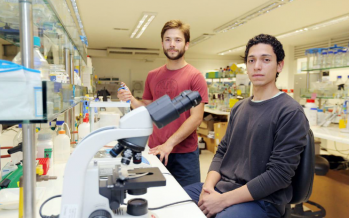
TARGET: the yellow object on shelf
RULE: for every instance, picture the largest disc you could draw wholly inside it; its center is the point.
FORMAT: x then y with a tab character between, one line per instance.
232	102
343	124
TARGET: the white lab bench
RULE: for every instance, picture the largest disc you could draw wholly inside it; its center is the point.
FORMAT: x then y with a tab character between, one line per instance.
332	133
156	196
217	112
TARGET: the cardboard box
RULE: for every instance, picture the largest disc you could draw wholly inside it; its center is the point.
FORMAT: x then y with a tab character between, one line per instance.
202	131
210	144
219	131
207	123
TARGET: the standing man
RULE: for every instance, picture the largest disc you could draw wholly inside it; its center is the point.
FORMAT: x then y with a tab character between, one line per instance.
250	175
176	143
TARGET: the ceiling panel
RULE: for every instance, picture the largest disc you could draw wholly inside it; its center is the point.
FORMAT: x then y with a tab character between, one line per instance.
101	17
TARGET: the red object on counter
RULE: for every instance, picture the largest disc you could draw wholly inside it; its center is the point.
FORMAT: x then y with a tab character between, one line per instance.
284	90
45	162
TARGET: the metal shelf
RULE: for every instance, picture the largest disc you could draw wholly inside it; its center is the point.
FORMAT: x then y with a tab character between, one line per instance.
320	69
52	19
56	99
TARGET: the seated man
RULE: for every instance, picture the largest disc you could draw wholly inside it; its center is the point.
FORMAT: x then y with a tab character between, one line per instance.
250	175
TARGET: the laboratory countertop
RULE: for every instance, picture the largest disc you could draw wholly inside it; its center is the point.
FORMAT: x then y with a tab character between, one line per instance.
331	132
156	196
218	112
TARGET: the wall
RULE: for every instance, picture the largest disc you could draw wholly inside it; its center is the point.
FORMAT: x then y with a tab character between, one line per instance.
129	70
286	77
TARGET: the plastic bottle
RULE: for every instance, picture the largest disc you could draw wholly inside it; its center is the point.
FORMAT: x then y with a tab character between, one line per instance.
329	60
320	116
40	62
346	88
18	137
77	80
324	59
61	148
45	146
310	111
340	87
59	126
84	129
45	128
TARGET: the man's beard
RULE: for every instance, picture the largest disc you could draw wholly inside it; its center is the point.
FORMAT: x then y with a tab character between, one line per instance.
179	55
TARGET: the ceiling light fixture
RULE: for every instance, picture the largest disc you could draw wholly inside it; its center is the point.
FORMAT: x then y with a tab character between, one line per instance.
78	18
201	38
256	12
315	26
240	48
142	24
298	31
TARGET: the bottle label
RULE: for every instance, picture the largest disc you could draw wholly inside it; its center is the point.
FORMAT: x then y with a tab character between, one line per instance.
48	152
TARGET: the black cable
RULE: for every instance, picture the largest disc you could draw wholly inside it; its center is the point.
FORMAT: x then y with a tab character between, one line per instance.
42	205
179	202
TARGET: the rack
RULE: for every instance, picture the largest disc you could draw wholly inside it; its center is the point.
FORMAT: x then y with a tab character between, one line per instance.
53	22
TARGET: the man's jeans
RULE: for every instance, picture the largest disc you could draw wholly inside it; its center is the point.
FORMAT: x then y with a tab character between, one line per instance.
252	209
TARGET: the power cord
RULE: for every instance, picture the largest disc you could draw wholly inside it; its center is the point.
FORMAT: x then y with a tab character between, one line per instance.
179	202
42	205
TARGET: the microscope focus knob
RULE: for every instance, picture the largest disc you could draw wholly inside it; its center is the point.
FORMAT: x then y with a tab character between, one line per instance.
100	214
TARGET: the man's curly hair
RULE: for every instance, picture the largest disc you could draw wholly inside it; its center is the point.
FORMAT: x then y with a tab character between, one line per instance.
269	40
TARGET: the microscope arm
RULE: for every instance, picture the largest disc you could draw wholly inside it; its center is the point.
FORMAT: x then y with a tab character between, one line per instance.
75	170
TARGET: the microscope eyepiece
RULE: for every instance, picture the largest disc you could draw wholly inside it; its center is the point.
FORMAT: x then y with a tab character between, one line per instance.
164	110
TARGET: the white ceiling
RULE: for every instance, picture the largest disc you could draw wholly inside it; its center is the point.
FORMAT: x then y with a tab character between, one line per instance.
101	17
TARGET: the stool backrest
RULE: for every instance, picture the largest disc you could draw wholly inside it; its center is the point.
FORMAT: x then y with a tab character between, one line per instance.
302	182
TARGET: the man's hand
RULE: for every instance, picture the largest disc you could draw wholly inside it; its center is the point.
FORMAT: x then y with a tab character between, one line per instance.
124	95
211	202
163	150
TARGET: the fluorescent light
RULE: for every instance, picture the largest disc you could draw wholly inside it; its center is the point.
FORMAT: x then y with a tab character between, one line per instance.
296	32
240	48
256	12
78	18
315	26
201	38
142	24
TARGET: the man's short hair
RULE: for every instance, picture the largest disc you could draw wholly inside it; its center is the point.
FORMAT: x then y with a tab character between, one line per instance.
177	24
269	40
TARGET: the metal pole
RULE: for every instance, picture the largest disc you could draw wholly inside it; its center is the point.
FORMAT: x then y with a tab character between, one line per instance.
67	114
27	56
72	111
29	177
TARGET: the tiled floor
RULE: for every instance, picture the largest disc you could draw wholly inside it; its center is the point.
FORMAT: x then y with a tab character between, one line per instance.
205	161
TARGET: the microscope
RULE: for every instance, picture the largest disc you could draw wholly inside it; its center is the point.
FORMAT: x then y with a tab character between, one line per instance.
87	194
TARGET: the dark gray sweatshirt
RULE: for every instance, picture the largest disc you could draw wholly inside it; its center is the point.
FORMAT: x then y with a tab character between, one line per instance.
261	148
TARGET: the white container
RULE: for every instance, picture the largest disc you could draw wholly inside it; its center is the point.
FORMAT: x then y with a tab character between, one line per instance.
320	116
8	168
108	119
45	146
83	129
61	148
310	111
40	62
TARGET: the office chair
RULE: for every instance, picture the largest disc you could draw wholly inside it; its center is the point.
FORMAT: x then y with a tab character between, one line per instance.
302	182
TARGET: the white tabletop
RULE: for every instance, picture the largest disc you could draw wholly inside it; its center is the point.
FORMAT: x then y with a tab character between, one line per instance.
156	196
332	133
218	112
